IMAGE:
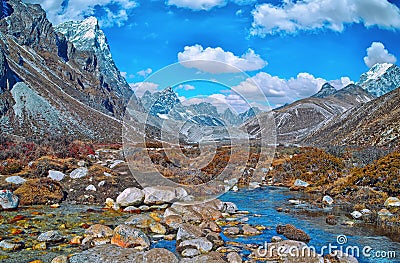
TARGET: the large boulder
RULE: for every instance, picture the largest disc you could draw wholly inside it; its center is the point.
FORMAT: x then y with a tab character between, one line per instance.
56	175
187	231
51	236
111	254
201	244
127	236
293	233
99	230
8	200
130	196
15	179
40	191
163	194
79	173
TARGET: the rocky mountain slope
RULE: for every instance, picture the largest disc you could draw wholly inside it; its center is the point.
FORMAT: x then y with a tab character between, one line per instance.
299	119
58	80
374	123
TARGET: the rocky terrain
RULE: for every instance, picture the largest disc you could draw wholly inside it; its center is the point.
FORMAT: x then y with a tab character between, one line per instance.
87	210
58	80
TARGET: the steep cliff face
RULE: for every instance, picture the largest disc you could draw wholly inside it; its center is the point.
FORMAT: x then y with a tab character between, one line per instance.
52	85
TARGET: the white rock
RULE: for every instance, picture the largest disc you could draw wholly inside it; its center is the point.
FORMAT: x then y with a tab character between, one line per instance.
163	194
229	207
366	211
56	175
15	180
79	173
294	202
300	183
115	163
91	188
130	196
107	174
81	163
392	202
356	214
100	184
327	200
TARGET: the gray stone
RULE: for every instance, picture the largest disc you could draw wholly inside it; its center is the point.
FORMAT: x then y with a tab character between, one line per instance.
99	230
91	188
163	194
201	244
190	252
231	231
51	236
250	231
56	175
79	173
130	196
327	200
187	231
10	246
15	180
8	200
229	207
300	183
234	257
60	259
392	202
128	236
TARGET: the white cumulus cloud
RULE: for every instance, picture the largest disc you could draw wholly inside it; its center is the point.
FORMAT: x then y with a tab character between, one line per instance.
377	53
59	11
280	91
144	73
198	57
292	16
141	87
206	4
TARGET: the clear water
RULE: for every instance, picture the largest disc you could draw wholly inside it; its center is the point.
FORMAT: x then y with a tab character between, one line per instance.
264	201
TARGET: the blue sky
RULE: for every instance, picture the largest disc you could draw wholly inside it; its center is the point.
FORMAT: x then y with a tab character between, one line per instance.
289	48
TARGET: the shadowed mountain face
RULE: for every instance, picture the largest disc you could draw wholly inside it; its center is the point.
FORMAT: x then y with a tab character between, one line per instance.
58	81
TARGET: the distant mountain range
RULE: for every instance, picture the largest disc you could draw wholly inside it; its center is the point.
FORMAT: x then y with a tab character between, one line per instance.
166	104
63	81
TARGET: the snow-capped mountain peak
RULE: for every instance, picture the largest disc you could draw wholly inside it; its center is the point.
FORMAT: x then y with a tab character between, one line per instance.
380	79
85	35
377	71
